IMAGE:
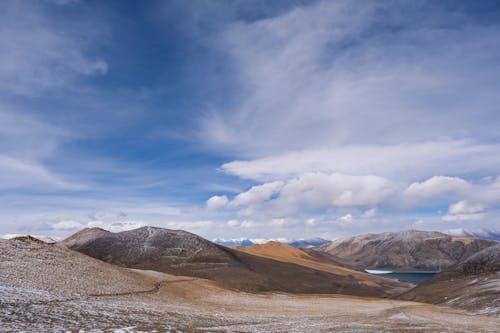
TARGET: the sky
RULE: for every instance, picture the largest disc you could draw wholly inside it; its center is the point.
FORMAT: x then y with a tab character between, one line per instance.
255	119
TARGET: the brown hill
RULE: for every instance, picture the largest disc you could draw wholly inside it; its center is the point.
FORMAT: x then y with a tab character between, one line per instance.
404	251
182	253
472	284
286	253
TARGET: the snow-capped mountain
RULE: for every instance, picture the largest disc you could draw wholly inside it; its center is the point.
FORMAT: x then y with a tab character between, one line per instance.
252	241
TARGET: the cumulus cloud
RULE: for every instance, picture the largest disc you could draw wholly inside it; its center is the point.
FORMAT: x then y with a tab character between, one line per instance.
257	194
320	190
465	207
436	186
350	123
279	201
217	202
465	211
345	219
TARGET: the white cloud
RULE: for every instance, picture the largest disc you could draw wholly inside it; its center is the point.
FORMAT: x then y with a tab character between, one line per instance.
257	194
311	221
67	225
233	223
283	203
370	213
351	117
436	186
116	226
248	224
408	161
345	219
320	190
465	211
466	207
281	222
324	74
15	173
217	201
36	55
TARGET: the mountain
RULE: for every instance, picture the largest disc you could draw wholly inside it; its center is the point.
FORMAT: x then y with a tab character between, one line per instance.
351	278
234	242
298	243
404	251
182	253
472	284
479	233
249	242
50	288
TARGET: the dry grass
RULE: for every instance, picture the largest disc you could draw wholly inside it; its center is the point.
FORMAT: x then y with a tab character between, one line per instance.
32	274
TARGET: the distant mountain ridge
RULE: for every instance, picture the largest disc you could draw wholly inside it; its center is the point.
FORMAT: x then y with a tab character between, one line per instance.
478	233
317	241
410	250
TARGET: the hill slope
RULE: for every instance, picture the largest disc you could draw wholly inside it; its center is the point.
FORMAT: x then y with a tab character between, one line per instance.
286	253
182	253
28	264
473	284
404	251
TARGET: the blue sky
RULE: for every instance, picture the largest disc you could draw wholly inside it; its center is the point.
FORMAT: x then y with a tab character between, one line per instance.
254	118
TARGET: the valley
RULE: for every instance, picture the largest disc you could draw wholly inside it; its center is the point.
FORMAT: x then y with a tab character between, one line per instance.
49	287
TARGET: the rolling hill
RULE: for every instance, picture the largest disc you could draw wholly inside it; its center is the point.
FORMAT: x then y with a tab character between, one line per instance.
182	253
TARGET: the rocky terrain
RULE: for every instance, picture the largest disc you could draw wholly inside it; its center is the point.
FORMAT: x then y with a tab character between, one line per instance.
48	288
29	264
472	284
404	251
182	253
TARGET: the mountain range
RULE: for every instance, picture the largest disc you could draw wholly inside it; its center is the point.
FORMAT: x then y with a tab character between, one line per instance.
477	233
249	242
410	250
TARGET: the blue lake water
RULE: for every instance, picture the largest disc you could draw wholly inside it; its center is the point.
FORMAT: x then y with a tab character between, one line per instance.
415	278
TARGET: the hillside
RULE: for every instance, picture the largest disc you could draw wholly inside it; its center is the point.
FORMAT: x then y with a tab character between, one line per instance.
404	251
49	288
182	253
286	253
473	284
28	264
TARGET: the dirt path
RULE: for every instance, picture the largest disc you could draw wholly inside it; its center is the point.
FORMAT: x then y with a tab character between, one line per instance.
154	290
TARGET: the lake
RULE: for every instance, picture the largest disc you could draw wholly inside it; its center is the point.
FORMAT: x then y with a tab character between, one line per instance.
412	277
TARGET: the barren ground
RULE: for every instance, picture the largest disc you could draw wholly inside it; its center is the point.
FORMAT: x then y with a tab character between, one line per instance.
151	301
